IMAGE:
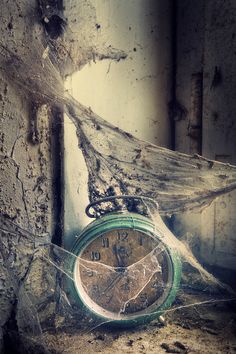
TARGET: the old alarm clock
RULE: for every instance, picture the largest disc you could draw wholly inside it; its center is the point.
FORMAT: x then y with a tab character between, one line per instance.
124	273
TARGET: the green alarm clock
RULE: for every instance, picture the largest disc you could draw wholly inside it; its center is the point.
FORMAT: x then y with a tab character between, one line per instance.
124	273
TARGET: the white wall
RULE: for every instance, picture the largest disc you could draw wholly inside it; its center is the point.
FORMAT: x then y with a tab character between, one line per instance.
132	94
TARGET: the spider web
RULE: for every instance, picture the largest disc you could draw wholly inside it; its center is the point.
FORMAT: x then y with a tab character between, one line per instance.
118	164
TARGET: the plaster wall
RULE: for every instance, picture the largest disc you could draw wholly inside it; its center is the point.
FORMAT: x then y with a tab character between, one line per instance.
219	130
133	93
26	173
206	45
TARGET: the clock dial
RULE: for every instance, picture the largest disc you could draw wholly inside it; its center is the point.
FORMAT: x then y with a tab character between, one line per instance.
124	273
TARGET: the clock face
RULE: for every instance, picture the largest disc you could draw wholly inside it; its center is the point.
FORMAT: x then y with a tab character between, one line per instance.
123	273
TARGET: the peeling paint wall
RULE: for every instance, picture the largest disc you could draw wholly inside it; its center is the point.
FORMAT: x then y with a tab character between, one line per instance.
26	173
132	93
206	44
219	130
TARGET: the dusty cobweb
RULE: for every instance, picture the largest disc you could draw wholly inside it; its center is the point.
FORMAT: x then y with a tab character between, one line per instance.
118	164
33	303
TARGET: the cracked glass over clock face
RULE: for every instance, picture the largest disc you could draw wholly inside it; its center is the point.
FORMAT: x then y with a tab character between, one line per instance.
123	273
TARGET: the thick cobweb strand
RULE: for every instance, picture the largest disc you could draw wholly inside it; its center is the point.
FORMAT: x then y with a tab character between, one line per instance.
117	162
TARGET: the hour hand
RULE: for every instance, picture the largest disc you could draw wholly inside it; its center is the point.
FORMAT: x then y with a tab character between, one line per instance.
117	251
106	276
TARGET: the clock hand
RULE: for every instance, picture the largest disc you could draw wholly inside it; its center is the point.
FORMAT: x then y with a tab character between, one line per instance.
139	274
104	272
112	283
133	271
118	257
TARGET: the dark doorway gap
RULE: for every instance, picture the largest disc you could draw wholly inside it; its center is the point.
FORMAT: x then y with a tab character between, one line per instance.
57	137
173	99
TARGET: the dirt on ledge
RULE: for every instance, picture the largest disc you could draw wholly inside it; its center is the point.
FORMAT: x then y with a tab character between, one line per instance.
201	330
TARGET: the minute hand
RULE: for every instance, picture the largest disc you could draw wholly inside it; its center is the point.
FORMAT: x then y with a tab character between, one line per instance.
112	283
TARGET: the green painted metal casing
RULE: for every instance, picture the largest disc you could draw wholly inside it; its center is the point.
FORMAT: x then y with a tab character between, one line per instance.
117	221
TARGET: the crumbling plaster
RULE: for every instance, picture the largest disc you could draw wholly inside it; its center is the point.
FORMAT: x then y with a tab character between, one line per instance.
26	174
